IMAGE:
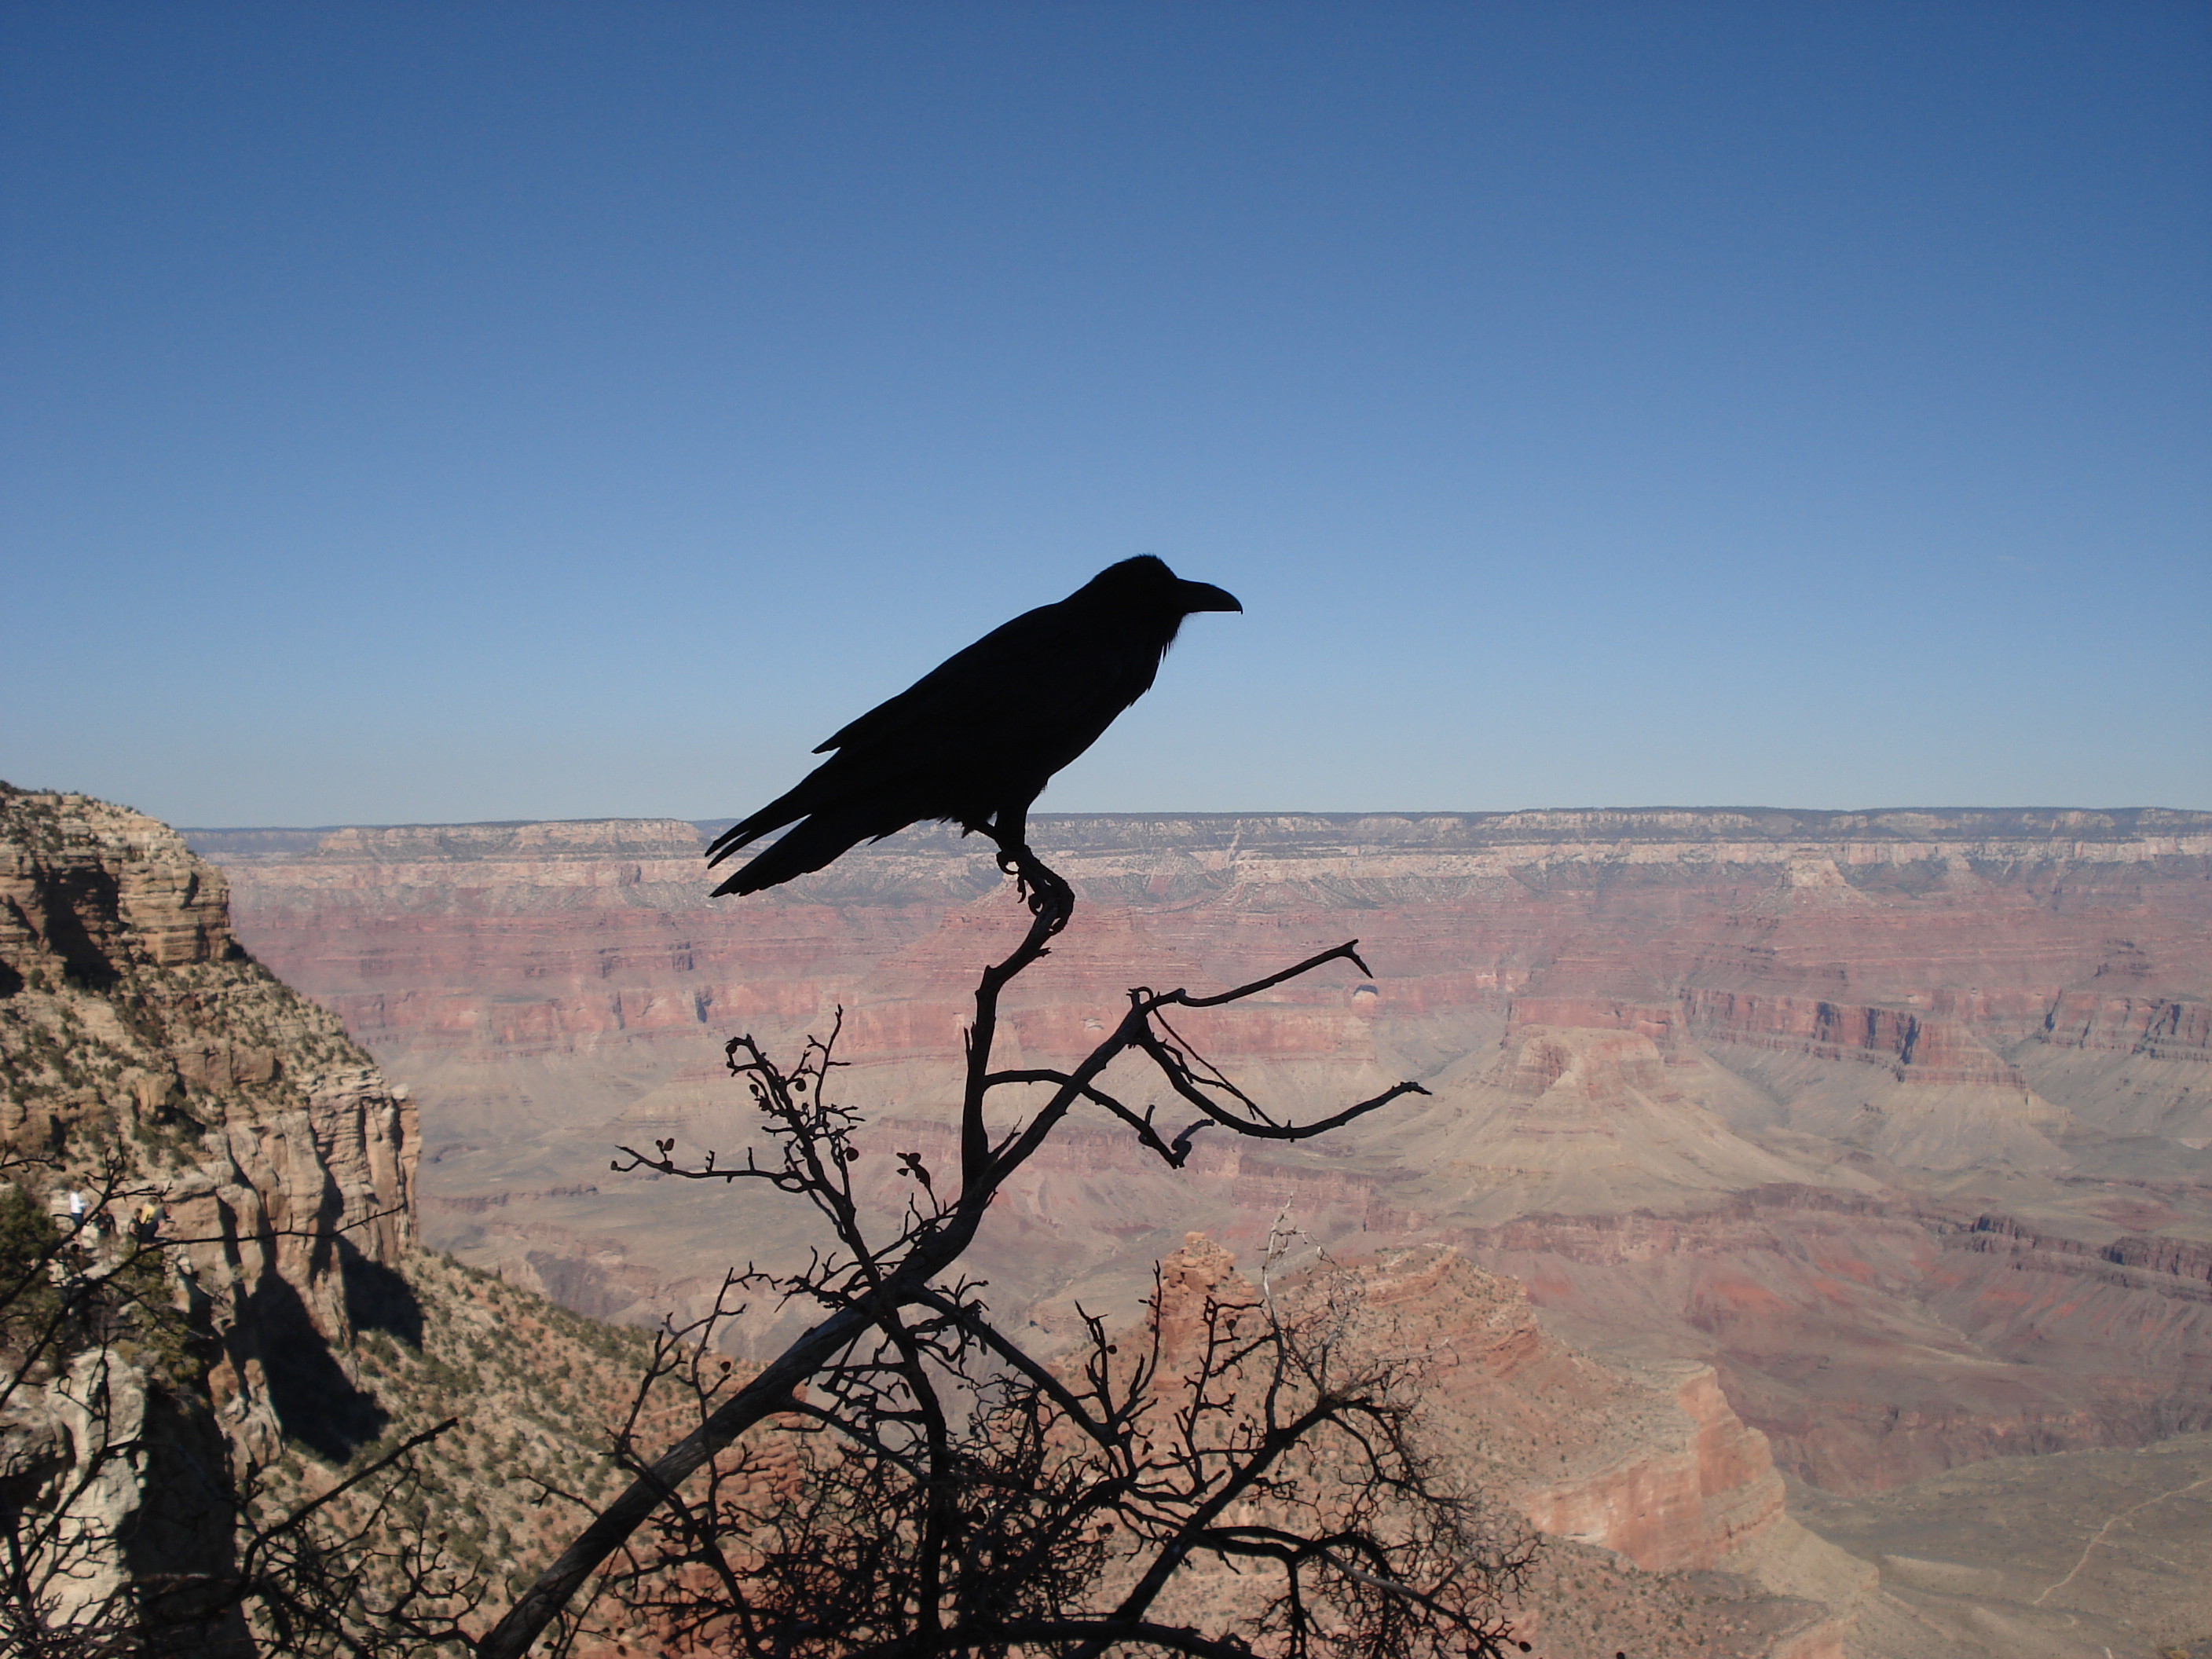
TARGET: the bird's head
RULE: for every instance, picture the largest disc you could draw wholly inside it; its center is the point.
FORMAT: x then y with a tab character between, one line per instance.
1145	583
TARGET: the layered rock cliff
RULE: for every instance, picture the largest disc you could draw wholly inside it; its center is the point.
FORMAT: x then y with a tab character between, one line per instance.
538	971
1772	1046
147	1059
1890	1134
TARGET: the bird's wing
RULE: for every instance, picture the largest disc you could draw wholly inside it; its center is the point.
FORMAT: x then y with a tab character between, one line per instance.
965	681
1002	715
1045	679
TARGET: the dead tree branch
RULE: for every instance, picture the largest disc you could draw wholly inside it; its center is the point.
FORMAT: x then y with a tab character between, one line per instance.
964	1494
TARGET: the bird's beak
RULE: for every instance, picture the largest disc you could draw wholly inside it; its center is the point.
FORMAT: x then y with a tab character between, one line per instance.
1204	596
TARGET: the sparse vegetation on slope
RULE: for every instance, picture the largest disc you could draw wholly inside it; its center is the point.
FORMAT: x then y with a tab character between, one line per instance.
536	1395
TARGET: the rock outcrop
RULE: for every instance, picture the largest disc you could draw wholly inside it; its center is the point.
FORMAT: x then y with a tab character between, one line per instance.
143	1051
1663	1511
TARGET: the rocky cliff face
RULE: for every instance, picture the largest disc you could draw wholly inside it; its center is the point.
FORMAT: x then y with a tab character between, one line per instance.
133	1027
142	1048
1962	960
1663	1513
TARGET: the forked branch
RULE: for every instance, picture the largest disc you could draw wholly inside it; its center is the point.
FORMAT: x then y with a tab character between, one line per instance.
888	1318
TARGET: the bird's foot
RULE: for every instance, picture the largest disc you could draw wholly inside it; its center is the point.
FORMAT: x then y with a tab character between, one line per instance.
1043	887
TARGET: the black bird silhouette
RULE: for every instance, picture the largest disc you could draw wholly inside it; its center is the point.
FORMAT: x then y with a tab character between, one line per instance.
974	740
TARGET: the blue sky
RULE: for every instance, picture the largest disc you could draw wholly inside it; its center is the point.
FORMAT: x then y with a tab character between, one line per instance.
427	412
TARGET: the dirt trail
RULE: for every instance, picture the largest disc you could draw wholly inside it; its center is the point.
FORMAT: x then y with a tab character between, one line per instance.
2098	1537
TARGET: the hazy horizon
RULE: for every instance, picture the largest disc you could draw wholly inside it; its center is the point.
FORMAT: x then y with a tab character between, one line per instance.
711	824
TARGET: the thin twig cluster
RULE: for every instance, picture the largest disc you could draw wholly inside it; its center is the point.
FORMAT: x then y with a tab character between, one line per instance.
942	1492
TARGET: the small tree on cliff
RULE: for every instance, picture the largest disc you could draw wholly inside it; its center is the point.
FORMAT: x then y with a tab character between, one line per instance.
950	1494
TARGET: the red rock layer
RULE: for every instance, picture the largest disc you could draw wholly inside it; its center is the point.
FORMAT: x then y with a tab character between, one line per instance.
1914	1048
1876	1344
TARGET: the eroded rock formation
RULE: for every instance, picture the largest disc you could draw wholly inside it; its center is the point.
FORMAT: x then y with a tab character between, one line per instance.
1663	1510
143	1050
1889	1135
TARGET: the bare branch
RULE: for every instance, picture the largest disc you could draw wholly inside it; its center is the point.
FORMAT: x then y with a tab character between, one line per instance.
958	1495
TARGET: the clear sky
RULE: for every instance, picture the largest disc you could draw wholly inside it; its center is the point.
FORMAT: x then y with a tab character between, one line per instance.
436	411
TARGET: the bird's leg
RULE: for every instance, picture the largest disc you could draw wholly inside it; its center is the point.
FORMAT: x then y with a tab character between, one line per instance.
1038	883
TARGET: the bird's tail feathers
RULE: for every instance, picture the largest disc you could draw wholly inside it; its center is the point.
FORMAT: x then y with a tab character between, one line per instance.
813	843
774	815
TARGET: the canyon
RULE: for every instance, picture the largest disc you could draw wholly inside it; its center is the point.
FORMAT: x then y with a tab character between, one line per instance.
1892	1127
133	1026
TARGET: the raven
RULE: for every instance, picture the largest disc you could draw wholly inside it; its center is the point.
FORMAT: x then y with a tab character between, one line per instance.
974	740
